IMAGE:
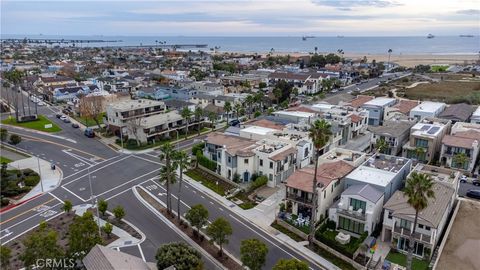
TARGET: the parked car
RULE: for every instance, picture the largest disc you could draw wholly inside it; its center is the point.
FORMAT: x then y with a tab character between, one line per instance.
58	115
476	182
474	193
75	125
234	123
41	103
67	120
89	133
463	179
63	117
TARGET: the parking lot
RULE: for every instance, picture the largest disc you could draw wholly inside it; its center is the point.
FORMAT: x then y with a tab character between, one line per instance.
463	188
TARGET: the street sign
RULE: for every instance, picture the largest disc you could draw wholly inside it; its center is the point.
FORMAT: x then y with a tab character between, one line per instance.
48	126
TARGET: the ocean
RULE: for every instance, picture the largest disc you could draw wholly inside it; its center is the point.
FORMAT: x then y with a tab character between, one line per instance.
350	45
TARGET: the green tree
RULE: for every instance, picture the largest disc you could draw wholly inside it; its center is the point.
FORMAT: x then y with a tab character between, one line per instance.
253	253
219	230
15	139
67	206
227	108
118	212
460	160
249	100
3	134
186	114
182	160
418	190
83	235
102	206
212	117
107	229
320	133
5	254
419	153
198	118
180	255
238	109
262	85
41	244
290	264
197	216
167	172
381	146
277	93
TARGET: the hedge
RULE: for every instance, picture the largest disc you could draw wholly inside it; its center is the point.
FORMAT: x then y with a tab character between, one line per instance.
198	147
326	237
259	181
205	162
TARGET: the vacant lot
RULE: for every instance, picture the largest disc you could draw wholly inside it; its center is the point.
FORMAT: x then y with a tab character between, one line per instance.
463	243
446	91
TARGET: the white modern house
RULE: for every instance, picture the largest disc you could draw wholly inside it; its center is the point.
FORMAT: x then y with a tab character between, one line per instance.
464	139
475	118
427	109
376	109
358	210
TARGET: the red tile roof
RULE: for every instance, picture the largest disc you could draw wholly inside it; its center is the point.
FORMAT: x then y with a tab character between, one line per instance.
360	100
355	118
405	106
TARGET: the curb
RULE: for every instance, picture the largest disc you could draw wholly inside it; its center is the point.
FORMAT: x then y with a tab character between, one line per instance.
11	206
177	230
141	240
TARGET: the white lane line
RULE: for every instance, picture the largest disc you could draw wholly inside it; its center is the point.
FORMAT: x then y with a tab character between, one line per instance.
203	197
128	189
74	194
22	221
76	179
194	191
186	187
51	194
161	194
141	252
211	203
148	160
221	209
128	182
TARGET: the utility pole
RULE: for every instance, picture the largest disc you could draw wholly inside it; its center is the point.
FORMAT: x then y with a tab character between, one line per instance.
40	173
95	203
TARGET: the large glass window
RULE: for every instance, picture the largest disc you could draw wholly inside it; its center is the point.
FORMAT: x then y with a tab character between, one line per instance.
421	143
358	204
351	225
405	224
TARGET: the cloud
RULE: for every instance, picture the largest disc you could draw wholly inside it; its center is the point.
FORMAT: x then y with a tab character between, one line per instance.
469	11
341	4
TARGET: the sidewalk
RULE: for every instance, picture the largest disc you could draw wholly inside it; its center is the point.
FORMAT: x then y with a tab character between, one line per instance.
262	223
49	178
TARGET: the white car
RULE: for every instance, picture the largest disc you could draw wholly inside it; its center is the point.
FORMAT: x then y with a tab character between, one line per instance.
63	117
41	103
463	179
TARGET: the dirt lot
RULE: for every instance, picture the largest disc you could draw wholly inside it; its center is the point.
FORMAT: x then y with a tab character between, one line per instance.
463	243
446	91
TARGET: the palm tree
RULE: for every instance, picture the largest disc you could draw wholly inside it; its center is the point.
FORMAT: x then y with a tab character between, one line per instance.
186	114
182	160
228	108
258	98
381	146
419	189
320	132
167	173
238	109
418	152
212	117
249	100
198	117
460	160
389	54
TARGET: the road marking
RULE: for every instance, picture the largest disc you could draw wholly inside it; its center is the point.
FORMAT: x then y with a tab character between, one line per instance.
211	203
148	160
203	197
141	252
221	209
128	189
194	191
128	182
51	194
74	194
24	212
76	179
82	159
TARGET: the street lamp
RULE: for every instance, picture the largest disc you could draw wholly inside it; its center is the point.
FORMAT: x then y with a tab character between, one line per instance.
40	173
95	203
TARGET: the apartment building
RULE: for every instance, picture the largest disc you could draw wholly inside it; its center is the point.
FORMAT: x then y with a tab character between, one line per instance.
427	109
383	172
119	113
359	210
464	139
399	217
296	117
425	140
395	133
376	108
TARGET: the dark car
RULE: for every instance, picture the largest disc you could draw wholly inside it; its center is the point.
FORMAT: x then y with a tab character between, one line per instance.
234	123
58	115
474	193
89	133
67	120
75	125
476	182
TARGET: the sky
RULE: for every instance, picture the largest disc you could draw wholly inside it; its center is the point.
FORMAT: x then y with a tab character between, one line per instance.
241	18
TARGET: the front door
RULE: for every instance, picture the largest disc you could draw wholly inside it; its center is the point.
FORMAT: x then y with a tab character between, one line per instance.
245	176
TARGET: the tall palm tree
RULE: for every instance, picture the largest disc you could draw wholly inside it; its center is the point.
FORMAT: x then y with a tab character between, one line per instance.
381	146
460	160
228	108
249	100
419	189
258	98
320	133
167	173
238	109
198	117
389	54
181	160
186	114
212	117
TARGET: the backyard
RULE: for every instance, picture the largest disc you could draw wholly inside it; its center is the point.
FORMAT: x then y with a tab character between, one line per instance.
38	124
401	259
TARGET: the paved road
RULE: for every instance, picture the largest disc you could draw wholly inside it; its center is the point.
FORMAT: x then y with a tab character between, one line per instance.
464	187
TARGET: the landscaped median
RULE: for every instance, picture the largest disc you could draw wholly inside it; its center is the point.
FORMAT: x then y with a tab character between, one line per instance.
41	124
200	239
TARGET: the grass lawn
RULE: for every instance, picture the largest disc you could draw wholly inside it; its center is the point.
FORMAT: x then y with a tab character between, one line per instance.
5	160
196	175
90	122
401	259
446	91
247	203
287	232
38	124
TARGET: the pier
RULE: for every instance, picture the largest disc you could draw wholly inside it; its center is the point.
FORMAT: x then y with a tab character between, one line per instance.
54	41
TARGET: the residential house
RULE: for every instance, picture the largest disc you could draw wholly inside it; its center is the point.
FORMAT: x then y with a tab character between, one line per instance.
299	188
202	100
427	109
457	112
105	258
157	127
152	93
383	172
376	108
394	133
475	118
296	79
358	101
65	94
399	218
426	139
359	210
401	110
179	105
464	138
296	116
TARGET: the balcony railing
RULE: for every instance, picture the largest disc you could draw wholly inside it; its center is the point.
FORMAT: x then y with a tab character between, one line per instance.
418	236
352	214
299	199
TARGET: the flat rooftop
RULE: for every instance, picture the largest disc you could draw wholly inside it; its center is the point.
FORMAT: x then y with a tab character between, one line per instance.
427	129
380	101
379	169
336	154
258	130
295	113
135	104
429	106
439	174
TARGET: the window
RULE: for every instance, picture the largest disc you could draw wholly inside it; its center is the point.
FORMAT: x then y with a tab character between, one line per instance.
271	165
351	225
421	143
427	228
332	188
389	214
324	194
245	161
420	226
405	224
229	160
270	177
261	162
229	174
358	204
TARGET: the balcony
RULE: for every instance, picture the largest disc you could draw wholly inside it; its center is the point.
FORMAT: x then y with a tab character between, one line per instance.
300	199
352	214
417	236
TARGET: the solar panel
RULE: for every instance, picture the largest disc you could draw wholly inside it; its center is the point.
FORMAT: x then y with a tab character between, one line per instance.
433	130
425	127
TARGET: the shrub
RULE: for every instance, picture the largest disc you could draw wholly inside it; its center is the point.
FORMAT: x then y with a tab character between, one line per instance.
28	172
5	201
15	139
198	147
132	142
257	114
31	180
205	162
236	178
260	181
